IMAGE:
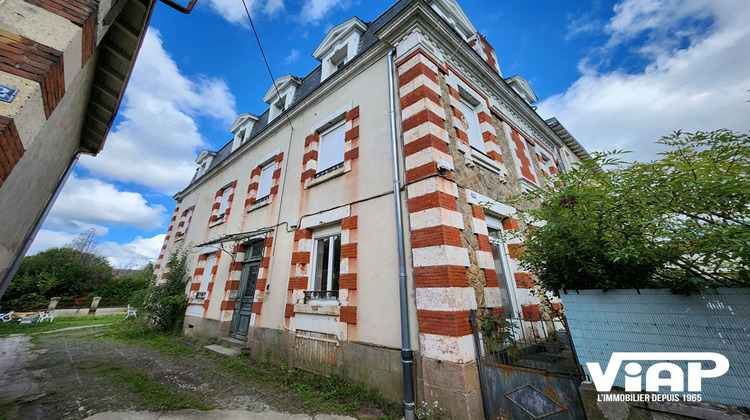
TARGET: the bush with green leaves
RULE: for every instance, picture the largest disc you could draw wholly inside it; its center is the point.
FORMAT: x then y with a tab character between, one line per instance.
680	222
62	272
164	302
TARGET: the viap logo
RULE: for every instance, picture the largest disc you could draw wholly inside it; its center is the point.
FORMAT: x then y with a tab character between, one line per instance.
604	380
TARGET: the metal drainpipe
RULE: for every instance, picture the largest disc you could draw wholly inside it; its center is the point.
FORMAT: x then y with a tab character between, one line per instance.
37	225
407	355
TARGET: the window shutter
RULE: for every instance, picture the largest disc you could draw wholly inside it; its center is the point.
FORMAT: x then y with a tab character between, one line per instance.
207	274
475	136
224	200
331	151
264	186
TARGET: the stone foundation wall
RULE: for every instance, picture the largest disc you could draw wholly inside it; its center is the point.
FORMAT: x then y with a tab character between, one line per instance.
204	329
375	366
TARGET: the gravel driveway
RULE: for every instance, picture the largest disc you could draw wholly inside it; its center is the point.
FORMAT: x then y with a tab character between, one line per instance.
78	373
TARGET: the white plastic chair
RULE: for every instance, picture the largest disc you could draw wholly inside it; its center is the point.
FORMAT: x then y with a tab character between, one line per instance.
131	312
46	315
6	317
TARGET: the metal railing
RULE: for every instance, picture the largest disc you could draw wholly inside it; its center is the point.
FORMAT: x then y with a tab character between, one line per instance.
321	295
540	343
329	170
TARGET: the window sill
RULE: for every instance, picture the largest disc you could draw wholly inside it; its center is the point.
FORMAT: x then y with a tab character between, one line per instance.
322	307
481	159
259	205
527	185
333	174
217	222
179	238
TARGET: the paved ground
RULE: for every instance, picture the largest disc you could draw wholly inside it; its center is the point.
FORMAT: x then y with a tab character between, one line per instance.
78	374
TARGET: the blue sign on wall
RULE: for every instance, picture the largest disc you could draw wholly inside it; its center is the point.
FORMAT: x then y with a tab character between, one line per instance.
7	93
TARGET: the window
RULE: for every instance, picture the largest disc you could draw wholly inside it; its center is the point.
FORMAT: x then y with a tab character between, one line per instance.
338	63
206	277
331	152
266	179
471	122
500	257
279	106
326	264
224	202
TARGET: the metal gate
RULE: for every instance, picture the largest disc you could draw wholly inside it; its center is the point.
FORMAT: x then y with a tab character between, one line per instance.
527	367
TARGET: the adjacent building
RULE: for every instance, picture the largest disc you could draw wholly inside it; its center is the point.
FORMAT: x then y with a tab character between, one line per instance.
291	231
64	65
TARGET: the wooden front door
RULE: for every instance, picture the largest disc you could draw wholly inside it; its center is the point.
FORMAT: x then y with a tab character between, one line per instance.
243	307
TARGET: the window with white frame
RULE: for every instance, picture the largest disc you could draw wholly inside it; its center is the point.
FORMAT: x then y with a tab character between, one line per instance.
278	106
210	261
266	179
326	263
225	193
502	263
331	151
338	60
471	124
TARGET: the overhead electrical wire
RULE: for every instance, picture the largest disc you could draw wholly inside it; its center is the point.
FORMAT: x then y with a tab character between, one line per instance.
262	53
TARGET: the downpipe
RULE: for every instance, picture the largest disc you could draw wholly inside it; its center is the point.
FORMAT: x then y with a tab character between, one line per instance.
407	355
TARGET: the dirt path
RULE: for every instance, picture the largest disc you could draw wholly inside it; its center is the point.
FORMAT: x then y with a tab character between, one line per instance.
76	374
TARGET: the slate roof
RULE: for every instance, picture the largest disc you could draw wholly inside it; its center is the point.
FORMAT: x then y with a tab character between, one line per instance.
312	81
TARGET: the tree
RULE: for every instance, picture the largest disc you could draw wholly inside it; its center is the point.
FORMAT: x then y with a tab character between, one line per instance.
681	222
70	272
124	286
165	300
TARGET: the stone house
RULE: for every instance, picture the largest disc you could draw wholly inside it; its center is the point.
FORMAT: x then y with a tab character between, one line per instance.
64	66
291	228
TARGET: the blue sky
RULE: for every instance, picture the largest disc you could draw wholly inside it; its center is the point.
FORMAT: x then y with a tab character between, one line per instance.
616	74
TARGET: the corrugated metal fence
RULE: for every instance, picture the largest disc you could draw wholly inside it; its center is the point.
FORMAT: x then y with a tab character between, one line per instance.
657	321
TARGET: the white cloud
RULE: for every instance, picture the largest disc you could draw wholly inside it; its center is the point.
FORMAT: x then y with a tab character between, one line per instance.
581	25
292	57
234	11
273	6
133	254
314	10
90	201
69	225
158	133
699	87
46	239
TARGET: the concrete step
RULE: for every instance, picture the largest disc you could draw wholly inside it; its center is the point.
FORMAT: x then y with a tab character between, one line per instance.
233	343
223	351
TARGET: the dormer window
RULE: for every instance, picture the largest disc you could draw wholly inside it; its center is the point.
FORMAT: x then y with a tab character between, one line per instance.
339	46
204	161
339	59
280	95
241	128
279	106
522	88
455	16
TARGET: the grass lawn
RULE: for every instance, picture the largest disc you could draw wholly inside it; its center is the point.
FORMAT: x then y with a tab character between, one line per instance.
12	327
331	394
